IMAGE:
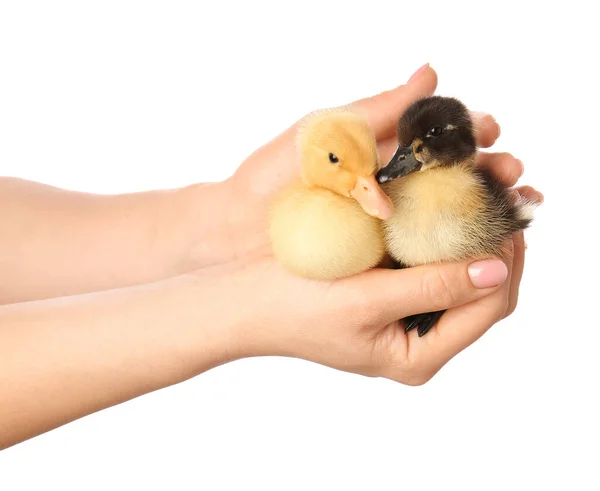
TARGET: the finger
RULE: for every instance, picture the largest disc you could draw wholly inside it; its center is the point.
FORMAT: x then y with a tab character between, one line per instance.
506	168
517	272
386	149
395	294
503	165
460	327
383	110
487	130
428	354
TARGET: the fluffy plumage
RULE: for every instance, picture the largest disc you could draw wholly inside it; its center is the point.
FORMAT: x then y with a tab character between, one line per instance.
445	209
450	214
325	226
318	234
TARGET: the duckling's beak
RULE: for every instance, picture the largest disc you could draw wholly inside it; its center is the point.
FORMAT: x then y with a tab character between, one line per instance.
402	163
371	197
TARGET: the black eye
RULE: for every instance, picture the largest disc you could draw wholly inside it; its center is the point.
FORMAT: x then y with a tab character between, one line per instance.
435	131
333	158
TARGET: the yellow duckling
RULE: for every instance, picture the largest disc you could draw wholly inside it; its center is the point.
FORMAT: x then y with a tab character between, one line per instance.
328	224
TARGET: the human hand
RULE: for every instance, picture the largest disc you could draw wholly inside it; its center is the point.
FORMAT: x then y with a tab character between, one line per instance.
275	165
243	304
351	324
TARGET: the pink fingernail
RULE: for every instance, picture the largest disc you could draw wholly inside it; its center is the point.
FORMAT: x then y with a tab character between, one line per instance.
418	72
522	167
486	273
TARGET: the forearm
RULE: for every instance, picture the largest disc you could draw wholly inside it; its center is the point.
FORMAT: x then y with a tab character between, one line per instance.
55	242
61	359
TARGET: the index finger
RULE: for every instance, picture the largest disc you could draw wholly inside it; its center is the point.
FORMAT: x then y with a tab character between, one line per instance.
383	110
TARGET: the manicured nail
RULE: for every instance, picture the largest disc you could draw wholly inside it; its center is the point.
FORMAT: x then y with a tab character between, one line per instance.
418	72
486	273
520	162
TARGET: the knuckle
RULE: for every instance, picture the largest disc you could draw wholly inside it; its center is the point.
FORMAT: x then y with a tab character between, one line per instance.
506	156
363	311
507	166
416	376
386	95
439	288
510	169
513	175
409	370
413	373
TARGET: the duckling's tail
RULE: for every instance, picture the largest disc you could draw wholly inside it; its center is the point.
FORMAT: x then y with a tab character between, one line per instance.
525	210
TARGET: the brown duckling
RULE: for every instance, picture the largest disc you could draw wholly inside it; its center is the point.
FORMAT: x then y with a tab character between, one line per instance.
445	208
327	225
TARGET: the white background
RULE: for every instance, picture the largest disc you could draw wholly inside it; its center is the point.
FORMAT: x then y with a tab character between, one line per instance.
119	96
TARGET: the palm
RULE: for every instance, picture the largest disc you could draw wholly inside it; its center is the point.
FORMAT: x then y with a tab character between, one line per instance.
261	177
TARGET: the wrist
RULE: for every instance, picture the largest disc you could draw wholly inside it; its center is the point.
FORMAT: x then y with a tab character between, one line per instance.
195	334
200	217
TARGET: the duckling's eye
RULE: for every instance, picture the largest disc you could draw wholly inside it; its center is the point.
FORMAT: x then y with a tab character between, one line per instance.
435	131
333	158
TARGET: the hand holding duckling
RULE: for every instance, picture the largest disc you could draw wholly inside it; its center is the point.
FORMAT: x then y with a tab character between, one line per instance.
213	292
351	323
447	209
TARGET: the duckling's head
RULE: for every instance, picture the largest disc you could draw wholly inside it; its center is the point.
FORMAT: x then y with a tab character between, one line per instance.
339	153
433	132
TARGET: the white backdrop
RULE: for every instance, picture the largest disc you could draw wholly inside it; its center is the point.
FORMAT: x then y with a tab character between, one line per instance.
120	96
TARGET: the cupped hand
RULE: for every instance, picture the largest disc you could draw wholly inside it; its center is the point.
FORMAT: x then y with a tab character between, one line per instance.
275	165
352	324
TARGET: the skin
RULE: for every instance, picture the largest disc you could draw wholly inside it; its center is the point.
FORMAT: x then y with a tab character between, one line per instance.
152	278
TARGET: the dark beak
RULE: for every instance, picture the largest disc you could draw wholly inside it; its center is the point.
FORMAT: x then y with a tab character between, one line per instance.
402	163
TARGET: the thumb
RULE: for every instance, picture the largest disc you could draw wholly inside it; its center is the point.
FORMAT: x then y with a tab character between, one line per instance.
396	294
383	110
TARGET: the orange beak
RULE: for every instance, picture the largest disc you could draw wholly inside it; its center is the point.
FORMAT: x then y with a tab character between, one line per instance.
371	197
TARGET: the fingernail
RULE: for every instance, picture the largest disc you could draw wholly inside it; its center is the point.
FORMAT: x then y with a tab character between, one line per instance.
499	129
418	72
520	162
486	273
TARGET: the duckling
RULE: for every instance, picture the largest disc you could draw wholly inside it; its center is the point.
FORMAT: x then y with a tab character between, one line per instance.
445	209
327	225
